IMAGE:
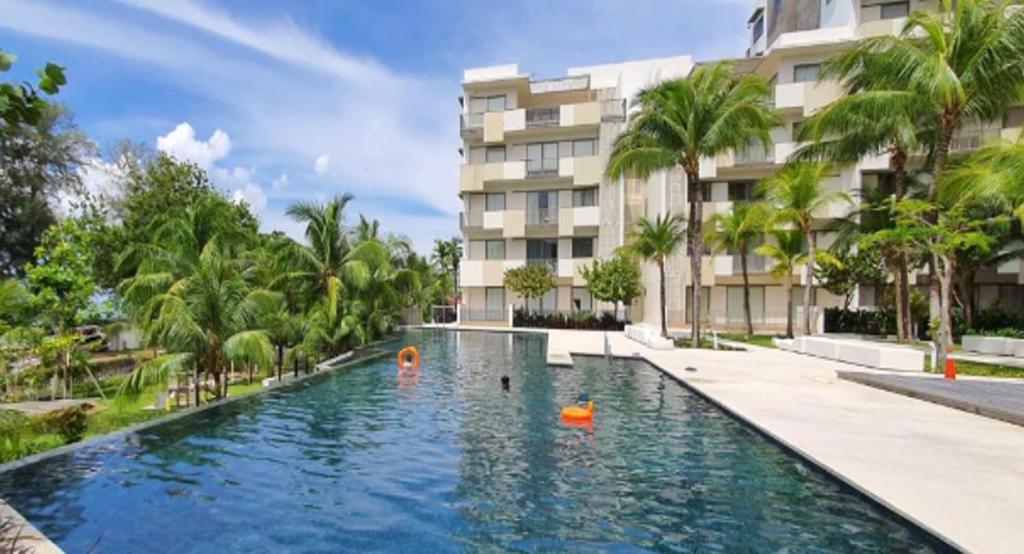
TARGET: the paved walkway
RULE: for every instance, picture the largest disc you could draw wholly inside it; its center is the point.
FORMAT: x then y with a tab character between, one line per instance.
959	475
37	407
1003	400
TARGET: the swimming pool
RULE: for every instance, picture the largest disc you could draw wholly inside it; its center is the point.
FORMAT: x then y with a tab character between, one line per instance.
364	459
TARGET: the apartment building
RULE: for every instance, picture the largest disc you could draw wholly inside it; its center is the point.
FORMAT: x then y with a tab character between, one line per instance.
534	153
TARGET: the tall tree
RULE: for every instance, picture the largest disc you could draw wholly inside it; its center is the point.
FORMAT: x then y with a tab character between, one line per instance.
616	280
786	249
798	197
738	230
447	255
654	241
681	121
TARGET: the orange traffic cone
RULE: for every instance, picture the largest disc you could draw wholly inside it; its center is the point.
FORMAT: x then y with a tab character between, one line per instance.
950	365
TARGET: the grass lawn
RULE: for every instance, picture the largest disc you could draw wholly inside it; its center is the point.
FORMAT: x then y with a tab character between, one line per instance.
756	340
964	367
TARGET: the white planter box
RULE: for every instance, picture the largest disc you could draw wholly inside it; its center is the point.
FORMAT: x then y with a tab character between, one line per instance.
821	347
881	357
998	346
649	337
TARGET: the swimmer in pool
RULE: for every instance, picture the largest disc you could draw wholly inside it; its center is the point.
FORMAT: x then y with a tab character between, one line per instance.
505	383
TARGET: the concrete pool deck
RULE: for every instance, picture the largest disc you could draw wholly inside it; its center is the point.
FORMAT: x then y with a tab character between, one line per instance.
958	475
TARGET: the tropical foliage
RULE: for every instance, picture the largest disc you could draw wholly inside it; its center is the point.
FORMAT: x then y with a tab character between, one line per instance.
615	280
655	240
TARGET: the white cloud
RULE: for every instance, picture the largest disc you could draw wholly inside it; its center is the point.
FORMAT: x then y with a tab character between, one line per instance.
253	195
181	143
322	164
281	182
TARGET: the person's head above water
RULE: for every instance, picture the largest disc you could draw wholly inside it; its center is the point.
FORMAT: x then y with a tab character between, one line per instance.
505	382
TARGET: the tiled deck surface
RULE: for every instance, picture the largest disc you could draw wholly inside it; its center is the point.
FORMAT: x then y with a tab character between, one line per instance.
959	475
999	399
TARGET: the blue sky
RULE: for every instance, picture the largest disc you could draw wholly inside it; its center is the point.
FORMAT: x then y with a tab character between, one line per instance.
288	100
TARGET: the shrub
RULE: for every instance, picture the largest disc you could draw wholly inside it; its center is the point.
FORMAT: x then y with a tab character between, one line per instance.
577	320
70	423
861	322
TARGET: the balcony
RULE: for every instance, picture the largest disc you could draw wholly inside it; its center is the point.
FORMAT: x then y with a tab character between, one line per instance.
613	110
471	124
967	140
756	263
542	216
542	117
550	263
754	155
541	168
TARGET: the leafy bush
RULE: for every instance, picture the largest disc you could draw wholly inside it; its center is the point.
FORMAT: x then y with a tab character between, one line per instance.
861	322
70	423
577	320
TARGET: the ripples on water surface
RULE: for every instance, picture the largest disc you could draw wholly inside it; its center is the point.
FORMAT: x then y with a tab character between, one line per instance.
367	460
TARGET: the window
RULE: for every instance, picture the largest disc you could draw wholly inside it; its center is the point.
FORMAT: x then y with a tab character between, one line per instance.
806	72
583	248
542	249
495	250
734	304
496	103
495	154
546	304
584	198
895	10
584	147
494	201
542	207
705	302
542	158
758	28
582	300
797	127
741	191
494	303
705	192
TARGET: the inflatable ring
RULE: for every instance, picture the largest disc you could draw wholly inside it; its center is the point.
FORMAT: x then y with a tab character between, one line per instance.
578	413
409	356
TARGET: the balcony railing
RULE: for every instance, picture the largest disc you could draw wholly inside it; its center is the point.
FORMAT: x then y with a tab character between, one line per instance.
754	155
471	122
473	218
756	263
541	216
544	167
551	263
542	117
486	314
613	110
966	140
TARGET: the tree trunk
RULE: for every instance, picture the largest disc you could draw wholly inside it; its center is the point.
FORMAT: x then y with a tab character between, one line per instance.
746	291
967	294
944	330
295	365
280	361
809	286
788	285
901	330
661	287
950	120
898	162
696	249
195	382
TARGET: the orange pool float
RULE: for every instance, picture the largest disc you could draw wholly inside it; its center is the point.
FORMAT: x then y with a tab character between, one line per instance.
409	357
578	413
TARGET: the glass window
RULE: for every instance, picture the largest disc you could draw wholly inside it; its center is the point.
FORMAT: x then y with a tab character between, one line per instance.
741	191
542	249
705	302
806	72
542	158
758	28
542	207
546	304
496	103
583	247
494	201
494	300
584	147
895	10
582	300
734	304
495	154
705	192
584	198
495	250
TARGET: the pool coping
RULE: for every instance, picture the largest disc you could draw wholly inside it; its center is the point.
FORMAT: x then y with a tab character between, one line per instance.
821	467
38	542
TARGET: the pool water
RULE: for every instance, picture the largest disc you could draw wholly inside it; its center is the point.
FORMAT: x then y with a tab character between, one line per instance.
443	460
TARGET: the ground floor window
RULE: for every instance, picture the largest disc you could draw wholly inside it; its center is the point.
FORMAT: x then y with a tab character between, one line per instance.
705	302
734	304
545	304
494	303
582	300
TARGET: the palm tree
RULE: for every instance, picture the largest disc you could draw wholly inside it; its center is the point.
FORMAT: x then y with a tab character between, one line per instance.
205	320
656	240
681	121
796	197
737	230
447	255
787	251
865	123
